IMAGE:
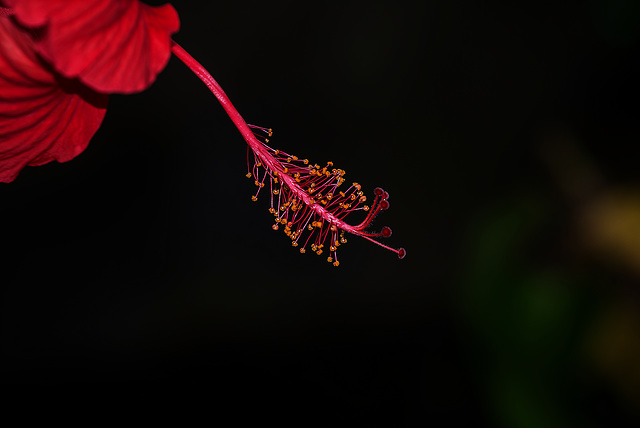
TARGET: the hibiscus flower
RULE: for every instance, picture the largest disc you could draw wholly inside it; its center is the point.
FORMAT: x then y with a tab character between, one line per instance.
59	60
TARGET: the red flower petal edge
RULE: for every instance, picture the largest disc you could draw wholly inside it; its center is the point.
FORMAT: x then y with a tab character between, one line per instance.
110	46
43	117
58	61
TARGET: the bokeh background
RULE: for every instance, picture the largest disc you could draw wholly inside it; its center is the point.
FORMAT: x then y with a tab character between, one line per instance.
507	137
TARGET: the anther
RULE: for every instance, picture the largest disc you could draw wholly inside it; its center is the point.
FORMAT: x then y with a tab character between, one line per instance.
384	205
401	253
386	231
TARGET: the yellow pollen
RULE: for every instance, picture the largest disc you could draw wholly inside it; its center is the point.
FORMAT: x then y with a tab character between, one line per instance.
248	175
254	198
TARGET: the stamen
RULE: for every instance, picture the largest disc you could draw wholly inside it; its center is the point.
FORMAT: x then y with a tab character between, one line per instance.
293	181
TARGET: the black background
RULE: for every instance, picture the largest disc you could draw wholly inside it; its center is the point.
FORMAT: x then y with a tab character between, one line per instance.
144	261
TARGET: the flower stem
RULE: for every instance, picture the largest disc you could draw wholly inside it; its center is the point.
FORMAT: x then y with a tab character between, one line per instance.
270	162
217	90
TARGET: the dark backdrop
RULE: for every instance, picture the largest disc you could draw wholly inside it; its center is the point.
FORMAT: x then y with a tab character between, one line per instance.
494	129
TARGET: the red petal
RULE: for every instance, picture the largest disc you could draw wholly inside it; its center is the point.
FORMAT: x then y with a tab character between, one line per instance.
43	117
109	45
